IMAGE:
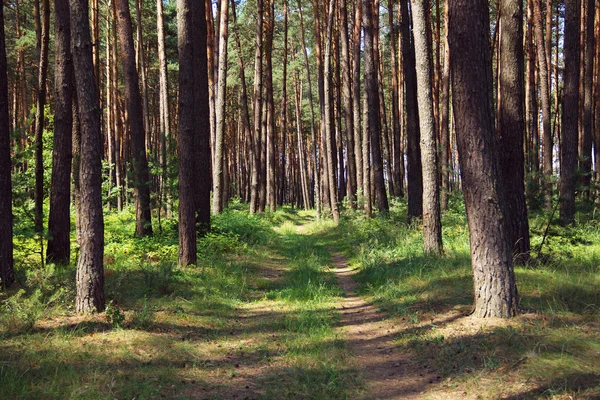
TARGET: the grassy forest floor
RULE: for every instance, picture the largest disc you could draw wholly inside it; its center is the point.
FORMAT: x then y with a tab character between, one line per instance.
285	306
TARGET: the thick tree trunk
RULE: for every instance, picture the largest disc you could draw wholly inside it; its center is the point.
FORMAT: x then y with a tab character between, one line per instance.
141	179
511	125
44	40
471	69
217	168
414	165
194	128
90	268
7	273
432	225
59	221
568	145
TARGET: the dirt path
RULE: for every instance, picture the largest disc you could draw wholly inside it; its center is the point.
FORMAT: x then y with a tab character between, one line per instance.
388	374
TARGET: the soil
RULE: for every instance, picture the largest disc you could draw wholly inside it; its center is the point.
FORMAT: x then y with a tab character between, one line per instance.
388	373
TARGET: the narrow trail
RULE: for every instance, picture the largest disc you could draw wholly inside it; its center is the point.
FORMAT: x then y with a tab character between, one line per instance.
388	373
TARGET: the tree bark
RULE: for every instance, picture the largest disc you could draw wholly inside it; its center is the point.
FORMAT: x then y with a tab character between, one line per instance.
59	221
568	145
356	91
511	125
327	113
348	105
141	179
7	273
165	117
414	165
44	40
444	118
372	116
397	180
432	225
256	140
271	183
90	268
494	280
217	168
588	101
547	142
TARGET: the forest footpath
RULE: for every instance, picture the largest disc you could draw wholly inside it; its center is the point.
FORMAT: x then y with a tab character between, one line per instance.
286	306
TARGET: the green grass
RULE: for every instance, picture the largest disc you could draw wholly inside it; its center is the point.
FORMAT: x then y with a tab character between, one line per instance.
553	348
177	332
256	318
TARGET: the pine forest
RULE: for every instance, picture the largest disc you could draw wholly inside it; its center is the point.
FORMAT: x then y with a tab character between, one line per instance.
302	199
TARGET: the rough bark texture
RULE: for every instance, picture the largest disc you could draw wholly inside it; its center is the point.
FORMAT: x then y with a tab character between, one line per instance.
7	274
59	221
588	101
43	41
570	101
188	12
165	118
327	113
547	142
445	118
397	158
90	268
348	105
141	179
511	124
356	96
256	139
494	281
432	225
217	168
413	153
271	184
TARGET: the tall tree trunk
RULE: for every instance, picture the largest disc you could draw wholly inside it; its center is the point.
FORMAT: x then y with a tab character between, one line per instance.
356	91
348	104
432	225
44	40
59	221
141	179
494	280
165	117
568	145
271	183
444	118
588	101
511	125
194	128
396	131
414	165
313	128
220	108
372	117
141	67
327	113
90	268
258	83
547	142
7	273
